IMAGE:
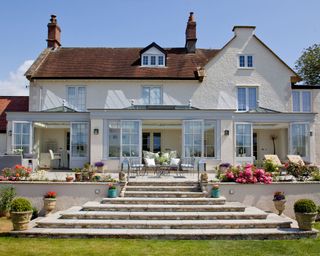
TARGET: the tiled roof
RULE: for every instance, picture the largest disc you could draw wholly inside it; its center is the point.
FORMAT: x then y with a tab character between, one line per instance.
11	103
116	63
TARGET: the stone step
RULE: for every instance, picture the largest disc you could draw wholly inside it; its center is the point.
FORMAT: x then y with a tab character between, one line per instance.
270	222
228	207
163	194
163	188
170	234
249	213
176	201
162	183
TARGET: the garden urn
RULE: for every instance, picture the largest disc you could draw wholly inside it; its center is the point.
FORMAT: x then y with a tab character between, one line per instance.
280	205
49	205
20	220
305	220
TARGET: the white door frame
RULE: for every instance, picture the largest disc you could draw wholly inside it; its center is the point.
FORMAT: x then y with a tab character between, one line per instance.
78	161
238	159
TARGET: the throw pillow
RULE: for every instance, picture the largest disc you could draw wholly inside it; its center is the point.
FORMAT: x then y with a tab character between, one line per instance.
174	161
149	162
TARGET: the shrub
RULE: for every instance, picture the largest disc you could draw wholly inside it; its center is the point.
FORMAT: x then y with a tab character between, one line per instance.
305	206
301	172
278	196
21	204
269	166
6	196
318	209
111	186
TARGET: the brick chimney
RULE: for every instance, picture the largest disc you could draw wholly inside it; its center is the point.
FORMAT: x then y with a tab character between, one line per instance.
54	32
191	35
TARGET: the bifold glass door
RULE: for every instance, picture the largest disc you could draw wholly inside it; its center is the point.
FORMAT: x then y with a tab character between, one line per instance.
192	138
243	143
300	139
79	150
130	138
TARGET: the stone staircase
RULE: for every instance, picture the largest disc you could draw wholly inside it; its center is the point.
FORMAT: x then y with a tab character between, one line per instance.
165	210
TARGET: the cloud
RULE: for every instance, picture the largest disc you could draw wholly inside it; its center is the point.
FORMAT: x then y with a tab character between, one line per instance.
15	84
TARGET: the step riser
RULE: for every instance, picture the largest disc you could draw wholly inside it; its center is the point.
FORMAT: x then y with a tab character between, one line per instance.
150	217
150	226
200	236
167	184
155	195
173	189
168	209
176	202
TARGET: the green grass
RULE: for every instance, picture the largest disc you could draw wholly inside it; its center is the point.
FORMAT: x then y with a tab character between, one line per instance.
34	246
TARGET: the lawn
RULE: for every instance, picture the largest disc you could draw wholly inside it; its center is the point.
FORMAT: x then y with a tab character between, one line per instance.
34	246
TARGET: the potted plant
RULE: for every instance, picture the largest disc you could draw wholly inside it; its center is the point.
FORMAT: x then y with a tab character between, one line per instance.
306	212
77	174
112	191
49	201
318	215
224	167
99	166
215	192
6	196
279	201
204	177
21	212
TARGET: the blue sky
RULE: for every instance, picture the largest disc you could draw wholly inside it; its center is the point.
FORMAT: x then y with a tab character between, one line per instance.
287	27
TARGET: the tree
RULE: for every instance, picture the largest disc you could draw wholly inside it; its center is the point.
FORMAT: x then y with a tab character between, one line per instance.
308	65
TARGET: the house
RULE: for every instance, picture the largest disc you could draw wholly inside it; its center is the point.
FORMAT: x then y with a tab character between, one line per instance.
233	104
9	104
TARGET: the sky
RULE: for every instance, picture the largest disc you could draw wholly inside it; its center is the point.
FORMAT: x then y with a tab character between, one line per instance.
286	26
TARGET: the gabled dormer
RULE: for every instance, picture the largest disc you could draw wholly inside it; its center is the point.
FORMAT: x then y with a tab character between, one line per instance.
153	56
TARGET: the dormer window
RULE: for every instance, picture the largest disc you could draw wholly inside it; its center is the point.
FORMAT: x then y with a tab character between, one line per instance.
153	56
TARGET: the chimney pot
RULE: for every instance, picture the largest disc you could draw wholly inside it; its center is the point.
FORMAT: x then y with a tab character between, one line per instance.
54	32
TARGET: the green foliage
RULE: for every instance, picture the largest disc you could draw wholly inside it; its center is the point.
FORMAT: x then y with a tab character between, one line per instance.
35	213
305	206
301	172
318	209
308	65
269	166
6	196
21	204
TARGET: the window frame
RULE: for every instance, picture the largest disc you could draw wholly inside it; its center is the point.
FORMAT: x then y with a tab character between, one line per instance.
301	101
14	133
151	87
149	57
245	61
247	98
77	97
308	142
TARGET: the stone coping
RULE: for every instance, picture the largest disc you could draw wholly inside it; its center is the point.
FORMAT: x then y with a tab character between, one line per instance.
60	182
122	183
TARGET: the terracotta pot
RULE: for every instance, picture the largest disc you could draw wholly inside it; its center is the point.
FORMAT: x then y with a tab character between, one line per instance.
305	220
100	168
69	179
280	205
78	176
20	220
49	204
91	174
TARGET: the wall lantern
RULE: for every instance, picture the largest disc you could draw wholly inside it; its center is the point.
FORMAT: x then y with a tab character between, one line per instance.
96	131
10	133
226	132
311	133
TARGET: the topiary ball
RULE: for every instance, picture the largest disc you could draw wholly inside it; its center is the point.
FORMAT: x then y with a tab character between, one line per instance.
305	206
21	204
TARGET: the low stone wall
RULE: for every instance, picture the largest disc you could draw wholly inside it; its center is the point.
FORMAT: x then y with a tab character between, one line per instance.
68	193
261	195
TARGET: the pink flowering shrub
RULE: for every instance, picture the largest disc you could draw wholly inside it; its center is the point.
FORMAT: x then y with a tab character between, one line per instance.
247	174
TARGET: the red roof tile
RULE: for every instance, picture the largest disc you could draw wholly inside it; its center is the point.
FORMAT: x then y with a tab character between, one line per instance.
11	103
117	63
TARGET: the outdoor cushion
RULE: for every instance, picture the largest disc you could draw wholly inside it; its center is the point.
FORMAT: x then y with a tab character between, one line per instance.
274	159
173	154
149	162
174	161
148	154
296	159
